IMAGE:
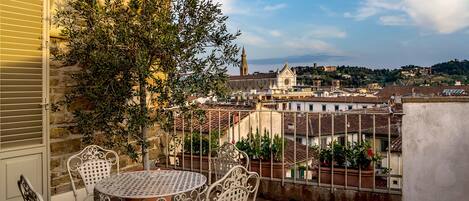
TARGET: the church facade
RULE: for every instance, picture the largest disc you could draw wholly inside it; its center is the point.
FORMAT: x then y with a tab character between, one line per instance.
277	82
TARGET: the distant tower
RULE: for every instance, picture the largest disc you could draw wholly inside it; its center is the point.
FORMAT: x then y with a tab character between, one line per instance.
244	64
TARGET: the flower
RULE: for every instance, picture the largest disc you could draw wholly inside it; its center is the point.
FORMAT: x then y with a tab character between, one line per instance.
370	153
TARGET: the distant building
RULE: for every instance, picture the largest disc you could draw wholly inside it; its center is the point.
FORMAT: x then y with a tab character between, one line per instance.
373	86
422	91
335	84
329	104
329	68
416	71
271	82
244	64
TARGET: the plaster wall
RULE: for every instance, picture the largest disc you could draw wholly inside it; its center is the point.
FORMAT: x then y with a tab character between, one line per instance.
435	146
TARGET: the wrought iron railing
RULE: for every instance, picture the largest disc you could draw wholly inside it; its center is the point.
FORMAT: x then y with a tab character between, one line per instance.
305	147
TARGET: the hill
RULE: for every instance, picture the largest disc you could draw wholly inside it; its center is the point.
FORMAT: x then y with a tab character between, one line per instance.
446	73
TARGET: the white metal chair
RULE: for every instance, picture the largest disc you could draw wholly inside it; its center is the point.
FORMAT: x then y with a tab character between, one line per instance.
27	191
228	156
93	164
237	185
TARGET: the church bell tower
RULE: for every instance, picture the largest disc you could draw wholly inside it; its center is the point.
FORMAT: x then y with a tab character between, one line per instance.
244	64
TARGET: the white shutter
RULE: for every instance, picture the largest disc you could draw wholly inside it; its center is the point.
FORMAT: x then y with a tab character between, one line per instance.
22	70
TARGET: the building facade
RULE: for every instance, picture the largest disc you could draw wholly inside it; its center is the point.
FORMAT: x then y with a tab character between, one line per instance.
271	82
329	104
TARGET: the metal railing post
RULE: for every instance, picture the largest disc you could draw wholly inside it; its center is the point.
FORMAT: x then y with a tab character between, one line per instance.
320	147
332	150
359	142
346	147
209	147
374	151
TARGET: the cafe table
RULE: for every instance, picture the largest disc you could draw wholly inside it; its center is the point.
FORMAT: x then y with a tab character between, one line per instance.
159	185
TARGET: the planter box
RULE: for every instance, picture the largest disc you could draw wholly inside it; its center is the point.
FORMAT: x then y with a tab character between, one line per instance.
352	177
265	169
195	162
254	165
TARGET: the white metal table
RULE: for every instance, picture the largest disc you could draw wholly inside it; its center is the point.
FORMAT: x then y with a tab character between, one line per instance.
159	184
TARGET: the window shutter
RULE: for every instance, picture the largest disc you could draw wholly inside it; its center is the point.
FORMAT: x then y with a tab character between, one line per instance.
21	73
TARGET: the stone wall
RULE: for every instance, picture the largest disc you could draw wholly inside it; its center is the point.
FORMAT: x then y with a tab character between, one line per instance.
65	139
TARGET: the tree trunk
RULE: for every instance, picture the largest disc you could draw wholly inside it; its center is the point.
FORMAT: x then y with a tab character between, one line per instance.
144	129
145	156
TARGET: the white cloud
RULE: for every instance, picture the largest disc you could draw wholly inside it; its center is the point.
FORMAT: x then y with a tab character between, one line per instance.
230	7
275	7
275	33
394	20
370	8
442	16
327	32
249	38
309	46
327	11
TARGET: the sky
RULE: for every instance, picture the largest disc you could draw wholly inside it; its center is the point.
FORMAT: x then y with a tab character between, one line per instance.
370	33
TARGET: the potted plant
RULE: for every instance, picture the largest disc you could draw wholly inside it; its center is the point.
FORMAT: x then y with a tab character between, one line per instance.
354	161
196	150
265	153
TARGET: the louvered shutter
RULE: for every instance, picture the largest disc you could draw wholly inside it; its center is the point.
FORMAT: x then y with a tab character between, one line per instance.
22	63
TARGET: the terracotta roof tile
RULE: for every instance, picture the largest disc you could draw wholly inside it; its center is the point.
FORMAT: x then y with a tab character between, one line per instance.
388	91
381	124
254	76
219	117
300	152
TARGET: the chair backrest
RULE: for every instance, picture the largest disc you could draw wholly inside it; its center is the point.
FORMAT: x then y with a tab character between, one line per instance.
27	190
237	185
228	156
93	164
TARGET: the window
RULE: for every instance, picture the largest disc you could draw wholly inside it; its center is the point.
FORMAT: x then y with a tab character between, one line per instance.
289	106
341	140
298	107
350	107
365	106
384	145
324	107
284	106
336	108
310	107
299	140
394	182
287	81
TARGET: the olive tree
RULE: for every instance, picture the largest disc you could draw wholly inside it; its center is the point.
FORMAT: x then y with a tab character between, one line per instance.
138	58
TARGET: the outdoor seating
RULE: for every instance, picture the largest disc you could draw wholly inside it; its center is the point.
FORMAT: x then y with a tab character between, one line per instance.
228	156
237	185
27	191
92	164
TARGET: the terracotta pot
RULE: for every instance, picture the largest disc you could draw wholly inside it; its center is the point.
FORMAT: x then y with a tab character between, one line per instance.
352	177
196	162
265	168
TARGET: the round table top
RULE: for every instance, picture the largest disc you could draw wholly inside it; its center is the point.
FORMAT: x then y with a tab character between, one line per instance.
150	184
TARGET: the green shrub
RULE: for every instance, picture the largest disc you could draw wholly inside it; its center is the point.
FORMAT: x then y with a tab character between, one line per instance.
201	145
261	147
352	156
